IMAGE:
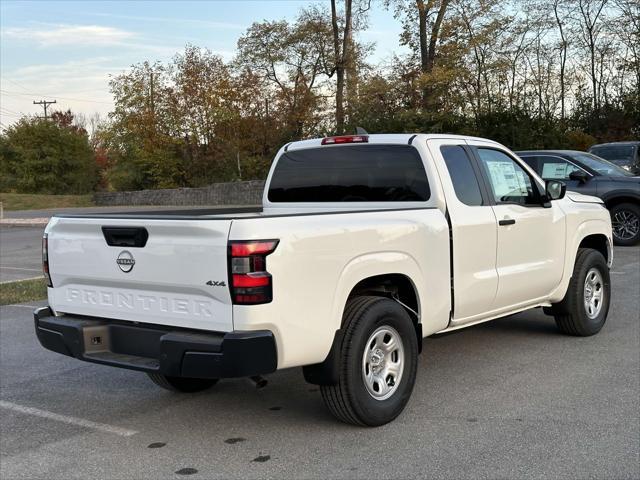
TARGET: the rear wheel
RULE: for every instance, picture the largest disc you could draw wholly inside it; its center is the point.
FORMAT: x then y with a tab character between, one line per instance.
378	363
583	311
625	223
181	384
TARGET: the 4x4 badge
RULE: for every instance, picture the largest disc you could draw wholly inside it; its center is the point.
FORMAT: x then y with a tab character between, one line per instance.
212	283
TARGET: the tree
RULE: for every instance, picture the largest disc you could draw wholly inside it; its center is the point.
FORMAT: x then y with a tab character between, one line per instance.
41	156
293	59
342	52
559	16
591	23
141	137
430	17
535	73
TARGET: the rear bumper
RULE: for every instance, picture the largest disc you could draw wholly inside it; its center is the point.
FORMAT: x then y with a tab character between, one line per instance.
158	349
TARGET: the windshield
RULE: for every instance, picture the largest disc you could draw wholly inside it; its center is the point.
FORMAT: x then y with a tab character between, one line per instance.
614	152
603	167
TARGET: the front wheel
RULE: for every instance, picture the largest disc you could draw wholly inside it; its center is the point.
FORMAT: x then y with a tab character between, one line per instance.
378	363
583	311
182	384
625	224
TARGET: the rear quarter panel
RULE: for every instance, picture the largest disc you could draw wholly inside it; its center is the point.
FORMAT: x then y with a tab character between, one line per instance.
320	258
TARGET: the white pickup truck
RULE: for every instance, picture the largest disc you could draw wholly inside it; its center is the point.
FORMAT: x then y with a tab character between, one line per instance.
364	245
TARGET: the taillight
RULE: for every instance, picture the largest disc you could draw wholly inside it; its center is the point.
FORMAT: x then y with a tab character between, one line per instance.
45	260
345	139
250	282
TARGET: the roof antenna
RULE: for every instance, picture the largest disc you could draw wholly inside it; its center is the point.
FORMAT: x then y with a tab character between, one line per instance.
361	131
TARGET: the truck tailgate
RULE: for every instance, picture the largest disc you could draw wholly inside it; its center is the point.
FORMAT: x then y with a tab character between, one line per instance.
177	277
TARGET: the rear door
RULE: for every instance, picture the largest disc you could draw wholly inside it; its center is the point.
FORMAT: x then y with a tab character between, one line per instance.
168	272
473	230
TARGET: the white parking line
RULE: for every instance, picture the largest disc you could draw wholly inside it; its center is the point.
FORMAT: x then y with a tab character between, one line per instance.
32	307
21	280
80	422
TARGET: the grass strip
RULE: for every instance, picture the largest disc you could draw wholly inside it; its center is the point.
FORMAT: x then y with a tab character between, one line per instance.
22	291
26	201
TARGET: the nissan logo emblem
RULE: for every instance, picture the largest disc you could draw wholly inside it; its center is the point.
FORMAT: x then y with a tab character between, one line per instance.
125	261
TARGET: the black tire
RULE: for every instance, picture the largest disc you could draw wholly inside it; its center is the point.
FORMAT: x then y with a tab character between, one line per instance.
181	384
571	313
630	235
349	400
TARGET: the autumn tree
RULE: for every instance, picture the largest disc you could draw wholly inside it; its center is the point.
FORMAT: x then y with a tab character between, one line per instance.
540	73
293	59
422	22
42	156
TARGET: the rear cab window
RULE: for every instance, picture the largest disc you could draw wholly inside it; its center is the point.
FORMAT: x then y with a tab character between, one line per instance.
350	173
463	177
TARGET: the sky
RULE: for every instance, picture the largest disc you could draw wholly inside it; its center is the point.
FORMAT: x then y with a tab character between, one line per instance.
68	50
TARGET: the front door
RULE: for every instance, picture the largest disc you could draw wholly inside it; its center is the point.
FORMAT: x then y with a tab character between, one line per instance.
531	237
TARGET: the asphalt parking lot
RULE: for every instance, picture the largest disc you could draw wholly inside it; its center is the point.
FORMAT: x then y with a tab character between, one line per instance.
511	398
20	256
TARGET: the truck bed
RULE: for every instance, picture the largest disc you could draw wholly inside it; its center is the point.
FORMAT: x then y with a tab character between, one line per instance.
189	213
208	213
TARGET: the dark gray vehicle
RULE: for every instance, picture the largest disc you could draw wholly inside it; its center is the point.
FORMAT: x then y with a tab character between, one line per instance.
623	154
591	175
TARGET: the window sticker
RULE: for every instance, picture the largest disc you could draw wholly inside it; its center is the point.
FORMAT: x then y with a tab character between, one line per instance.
506	180
554	171
558	170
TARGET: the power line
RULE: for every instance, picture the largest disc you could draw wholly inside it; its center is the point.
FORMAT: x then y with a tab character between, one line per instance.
16	84
9	110
10	93
15	115
45	104
26	90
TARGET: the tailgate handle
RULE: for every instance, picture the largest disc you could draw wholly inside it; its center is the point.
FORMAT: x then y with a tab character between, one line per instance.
125	236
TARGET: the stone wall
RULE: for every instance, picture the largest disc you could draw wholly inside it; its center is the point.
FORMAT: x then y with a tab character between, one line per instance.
232	193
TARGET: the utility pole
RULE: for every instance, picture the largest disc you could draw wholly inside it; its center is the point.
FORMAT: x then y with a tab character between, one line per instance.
45	104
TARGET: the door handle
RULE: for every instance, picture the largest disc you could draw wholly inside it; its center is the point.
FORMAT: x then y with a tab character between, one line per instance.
506	221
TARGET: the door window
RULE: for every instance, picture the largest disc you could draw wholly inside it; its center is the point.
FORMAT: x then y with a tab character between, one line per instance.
533	162
556	168
463	177
510	183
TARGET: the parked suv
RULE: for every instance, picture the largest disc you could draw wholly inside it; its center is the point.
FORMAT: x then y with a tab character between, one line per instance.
586	173
623	154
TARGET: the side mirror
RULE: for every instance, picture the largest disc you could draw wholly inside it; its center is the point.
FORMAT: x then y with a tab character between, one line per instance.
579	175
555	190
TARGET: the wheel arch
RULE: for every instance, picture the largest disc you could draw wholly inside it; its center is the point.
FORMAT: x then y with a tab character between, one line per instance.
621	197
593	233
398	287
599	242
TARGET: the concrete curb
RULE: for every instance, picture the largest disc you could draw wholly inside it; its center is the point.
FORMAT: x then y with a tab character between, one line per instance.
24	222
